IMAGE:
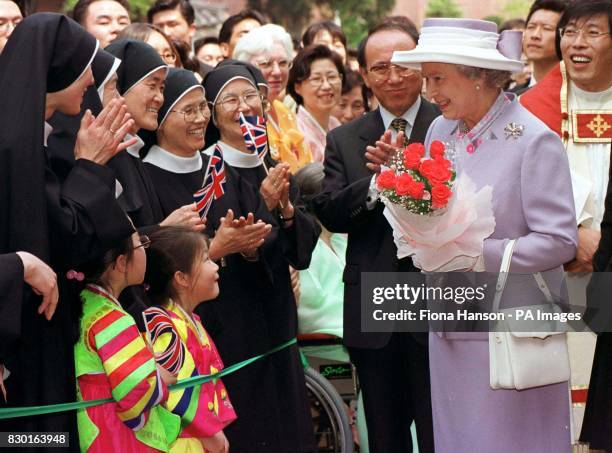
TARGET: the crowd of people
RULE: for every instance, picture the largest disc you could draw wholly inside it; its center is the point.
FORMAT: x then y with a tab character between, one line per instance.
113	283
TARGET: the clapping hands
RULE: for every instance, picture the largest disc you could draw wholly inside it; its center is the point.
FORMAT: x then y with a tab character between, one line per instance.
384	149
241	235
275	187
100	138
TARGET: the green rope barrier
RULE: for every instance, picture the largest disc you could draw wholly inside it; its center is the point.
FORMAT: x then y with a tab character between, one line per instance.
14	412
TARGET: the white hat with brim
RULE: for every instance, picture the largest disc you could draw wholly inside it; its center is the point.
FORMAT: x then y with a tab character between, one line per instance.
468	42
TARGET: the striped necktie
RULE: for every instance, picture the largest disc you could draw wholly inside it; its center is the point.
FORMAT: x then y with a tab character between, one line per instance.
399	125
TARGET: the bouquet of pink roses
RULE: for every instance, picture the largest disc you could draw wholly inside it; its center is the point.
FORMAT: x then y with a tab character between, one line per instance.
438	219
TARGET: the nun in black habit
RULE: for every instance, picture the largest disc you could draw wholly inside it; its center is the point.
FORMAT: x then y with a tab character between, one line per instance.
174	162
62	139
140	80
256	308
177	167
44	67
260	80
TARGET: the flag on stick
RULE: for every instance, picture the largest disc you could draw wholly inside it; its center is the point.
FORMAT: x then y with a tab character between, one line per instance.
213	186
255	135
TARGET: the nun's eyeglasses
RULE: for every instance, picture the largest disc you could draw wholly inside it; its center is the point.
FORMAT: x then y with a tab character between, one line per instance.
231	103
190	114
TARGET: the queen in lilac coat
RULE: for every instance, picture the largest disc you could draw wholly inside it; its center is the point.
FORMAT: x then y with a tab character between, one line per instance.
496	142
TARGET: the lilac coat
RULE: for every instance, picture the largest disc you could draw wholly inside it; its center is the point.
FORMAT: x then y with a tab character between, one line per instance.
532	202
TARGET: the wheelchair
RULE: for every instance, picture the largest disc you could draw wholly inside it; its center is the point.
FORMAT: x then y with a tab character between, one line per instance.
332	388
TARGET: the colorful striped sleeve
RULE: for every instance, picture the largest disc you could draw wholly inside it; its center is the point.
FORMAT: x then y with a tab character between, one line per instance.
129	365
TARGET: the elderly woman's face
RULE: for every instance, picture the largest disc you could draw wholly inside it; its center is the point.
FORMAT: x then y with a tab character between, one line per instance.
452	91
321	90
144	100
182	131
275	66
239	96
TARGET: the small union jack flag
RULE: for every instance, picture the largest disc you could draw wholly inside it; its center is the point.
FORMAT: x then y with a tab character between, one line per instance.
213	186
254	132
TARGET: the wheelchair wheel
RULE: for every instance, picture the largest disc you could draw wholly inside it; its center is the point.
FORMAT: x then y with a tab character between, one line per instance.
329	415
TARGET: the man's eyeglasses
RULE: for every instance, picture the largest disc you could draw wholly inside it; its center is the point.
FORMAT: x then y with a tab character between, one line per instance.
231	102
144	243
190	114
333	79
268	64
382	71
571	33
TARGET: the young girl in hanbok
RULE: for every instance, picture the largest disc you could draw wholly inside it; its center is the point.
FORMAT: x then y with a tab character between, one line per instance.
181	276
113	360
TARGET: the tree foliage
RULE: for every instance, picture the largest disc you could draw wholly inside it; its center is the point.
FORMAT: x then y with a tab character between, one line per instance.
516	9
294	15
358	16
497	19
443	8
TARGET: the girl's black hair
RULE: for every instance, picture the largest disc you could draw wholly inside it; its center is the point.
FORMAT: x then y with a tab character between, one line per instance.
173	249
92	272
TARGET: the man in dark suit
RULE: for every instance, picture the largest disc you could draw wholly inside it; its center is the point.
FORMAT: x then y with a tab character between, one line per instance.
393	368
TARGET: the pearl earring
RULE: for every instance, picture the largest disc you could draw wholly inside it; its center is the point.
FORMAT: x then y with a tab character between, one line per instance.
477	87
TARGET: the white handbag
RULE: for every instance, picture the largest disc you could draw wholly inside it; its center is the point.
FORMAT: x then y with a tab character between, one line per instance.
522	360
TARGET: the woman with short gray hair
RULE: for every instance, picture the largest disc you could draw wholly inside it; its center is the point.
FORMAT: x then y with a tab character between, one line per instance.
270	49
